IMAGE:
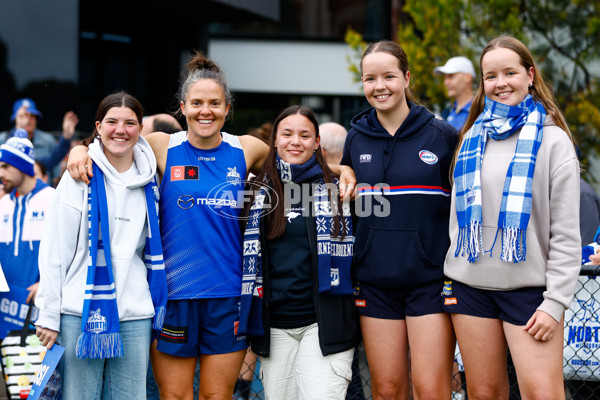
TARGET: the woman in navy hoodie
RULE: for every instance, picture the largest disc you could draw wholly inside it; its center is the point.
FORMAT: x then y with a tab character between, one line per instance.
401	155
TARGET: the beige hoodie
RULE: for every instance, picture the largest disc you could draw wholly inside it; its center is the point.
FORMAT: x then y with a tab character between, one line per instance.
553	256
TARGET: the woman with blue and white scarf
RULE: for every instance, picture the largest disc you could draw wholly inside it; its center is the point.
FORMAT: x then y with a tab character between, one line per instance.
515	252
103	286
296	303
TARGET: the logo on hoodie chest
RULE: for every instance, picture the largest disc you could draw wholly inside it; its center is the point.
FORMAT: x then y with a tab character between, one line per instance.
365	158
37	215
428	157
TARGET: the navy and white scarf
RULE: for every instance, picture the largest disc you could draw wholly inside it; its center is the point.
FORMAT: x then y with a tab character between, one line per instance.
498	121
100	336
334	252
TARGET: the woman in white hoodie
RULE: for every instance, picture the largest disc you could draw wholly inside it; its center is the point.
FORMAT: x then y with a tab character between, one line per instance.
98	301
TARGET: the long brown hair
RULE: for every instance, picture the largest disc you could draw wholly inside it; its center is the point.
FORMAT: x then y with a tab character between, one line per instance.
540	90
276	220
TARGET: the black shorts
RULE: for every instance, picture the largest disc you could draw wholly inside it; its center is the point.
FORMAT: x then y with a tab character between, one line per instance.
376	302
512	306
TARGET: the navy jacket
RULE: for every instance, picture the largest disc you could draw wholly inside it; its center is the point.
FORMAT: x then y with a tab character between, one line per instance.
337	317
401	235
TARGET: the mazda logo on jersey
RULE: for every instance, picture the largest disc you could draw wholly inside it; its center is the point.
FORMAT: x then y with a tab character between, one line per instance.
185	202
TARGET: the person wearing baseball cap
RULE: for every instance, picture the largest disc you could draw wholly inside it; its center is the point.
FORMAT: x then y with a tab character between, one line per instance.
22	214
49	152
29	105
459	75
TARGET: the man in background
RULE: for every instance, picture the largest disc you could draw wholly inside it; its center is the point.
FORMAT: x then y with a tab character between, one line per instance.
160	123
459	75
22	214
47	150
333	136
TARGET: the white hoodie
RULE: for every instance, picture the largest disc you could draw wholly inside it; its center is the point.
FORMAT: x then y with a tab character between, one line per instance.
63	258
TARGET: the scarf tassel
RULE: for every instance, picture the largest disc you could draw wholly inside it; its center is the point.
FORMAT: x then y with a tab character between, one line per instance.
460	243
474	241
159	318
513	244
470	241
103	345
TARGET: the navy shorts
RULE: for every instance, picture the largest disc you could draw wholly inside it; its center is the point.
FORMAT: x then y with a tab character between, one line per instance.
512	306
382	303
201	326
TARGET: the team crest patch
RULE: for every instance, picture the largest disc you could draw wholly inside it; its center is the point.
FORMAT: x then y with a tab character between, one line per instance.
96	323
233	176
428	157
335	277
447	290
471	196
184	172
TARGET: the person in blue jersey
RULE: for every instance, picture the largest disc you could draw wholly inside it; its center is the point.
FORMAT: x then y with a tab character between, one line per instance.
201	237
401	155
22	214
515	252
297	306
103	286
202	173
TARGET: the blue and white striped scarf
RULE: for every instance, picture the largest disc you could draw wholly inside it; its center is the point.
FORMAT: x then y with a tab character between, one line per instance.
334	252
498	121
100	336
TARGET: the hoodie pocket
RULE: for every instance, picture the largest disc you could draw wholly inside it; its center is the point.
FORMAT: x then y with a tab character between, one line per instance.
394	258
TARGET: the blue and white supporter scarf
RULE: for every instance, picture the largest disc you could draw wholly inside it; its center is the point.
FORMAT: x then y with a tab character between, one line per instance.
498	121
334	252
100	336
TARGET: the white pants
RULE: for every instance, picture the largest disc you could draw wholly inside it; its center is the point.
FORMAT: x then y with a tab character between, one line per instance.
297	370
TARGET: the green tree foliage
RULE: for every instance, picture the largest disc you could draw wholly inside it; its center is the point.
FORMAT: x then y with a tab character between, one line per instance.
358	46
563	36
430	33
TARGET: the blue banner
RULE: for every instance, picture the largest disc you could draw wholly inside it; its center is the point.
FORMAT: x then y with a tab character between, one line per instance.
13	310
42	384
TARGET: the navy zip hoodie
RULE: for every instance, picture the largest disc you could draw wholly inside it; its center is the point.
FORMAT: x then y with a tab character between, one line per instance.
401	232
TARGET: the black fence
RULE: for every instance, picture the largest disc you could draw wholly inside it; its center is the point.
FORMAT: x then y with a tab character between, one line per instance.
581	355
